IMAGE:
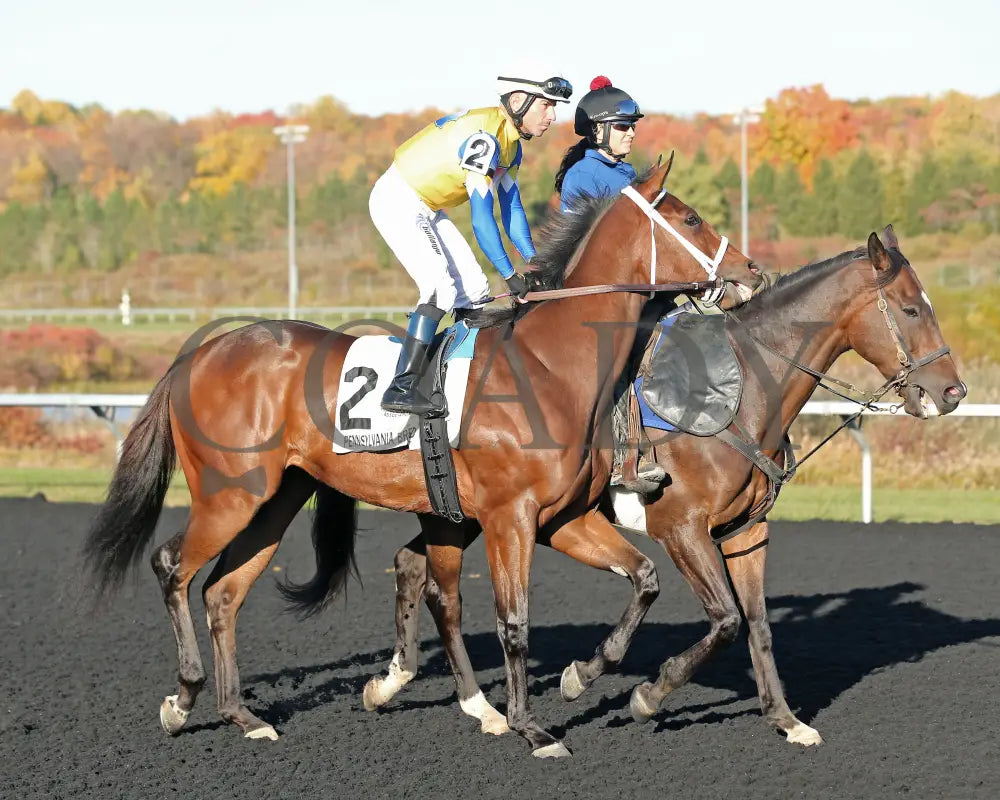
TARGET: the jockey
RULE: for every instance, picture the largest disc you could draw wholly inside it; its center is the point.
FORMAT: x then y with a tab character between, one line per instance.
595	166
468	156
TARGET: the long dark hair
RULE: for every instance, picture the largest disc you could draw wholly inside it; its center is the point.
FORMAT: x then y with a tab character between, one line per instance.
574	154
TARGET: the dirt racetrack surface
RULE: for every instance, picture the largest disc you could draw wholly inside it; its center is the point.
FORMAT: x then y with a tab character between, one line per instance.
886	637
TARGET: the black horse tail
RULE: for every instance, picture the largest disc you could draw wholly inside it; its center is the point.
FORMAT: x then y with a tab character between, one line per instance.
334	528
126	521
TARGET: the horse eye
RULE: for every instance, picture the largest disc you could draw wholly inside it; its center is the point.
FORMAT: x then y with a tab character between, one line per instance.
911	311
692	220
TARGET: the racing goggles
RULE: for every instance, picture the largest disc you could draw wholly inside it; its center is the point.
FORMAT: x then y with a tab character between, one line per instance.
557	87
625	110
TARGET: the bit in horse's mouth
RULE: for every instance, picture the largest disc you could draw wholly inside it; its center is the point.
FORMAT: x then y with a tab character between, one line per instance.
744	291
928	406
918	398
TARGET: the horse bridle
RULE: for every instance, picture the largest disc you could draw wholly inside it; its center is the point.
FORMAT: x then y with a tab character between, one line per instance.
908	364
710	265
712	290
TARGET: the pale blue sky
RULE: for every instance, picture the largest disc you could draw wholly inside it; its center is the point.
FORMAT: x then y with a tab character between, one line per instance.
187	57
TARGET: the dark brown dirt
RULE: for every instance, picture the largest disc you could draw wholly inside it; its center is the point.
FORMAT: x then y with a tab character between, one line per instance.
886	636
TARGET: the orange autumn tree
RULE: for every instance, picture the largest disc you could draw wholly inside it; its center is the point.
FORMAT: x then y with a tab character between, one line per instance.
803	126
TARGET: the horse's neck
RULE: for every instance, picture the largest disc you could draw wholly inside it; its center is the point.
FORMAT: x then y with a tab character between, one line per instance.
809	332
590	337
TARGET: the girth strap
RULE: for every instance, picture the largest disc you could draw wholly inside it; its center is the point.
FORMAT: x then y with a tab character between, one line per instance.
757	457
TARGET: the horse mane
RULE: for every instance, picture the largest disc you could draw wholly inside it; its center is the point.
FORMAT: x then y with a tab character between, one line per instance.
559	239
783	288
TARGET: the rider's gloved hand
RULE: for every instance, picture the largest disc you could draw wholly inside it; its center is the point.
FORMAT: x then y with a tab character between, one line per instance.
518	286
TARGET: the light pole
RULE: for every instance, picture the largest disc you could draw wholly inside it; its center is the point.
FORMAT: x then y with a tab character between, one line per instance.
290	135
745	117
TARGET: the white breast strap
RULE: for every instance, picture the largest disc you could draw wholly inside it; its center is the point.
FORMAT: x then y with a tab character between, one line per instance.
710	265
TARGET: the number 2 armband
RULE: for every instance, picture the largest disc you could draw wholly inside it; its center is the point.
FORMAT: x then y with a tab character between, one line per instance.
480	154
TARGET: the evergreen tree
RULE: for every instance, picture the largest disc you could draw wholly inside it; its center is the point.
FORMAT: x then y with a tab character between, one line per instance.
925	187
91	217
729	176
240	219
63	221
762	186
20	228
894	198
824	215
792	211
695	184
860	206
166	221
113	227
963	173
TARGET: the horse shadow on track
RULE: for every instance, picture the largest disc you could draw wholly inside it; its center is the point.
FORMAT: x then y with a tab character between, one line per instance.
824	644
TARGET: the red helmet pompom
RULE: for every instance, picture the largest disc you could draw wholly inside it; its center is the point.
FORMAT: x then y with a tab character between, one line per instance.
600	82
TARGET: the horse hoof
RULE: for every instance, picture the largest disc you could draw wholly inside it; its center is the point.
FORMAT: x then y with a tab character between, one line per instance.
372	695
265	732
804	735
554	750
494	723
571	686
172	716
640	705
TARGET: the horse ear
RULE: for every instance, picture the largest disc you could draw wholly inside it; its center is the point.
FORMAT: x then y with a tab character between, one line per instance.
877	253
890	237
670	163
657	178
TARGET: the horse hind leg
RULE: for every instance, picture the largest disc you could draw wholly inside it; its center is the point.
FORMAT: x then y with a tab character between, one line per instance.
412	581
446	544
411	576
175	584
243	561
746	559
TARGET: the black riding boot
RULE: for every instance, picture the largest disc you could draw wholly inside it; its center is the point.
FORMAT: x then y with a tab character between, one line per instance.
403	395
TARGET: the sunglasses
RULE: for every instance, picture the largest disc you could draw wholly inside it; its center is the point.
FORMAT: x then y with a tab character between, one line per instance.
621	127
560	87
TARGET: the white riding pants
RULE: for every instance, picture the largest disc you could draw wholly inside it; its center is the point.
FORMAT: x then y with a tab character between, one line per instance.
428	245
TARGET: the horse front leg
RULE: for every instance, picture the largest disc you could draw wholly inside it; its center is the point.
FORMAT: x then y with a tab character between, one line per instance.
693	553
592	540
510	542
746	555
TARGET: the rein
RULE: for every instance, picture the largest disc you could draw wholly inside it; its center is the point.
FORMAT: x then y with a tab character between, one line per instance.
603	288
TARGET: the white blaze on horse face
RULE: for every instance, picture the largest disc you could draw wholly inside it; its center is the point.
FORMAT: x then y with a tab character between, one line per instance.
927	300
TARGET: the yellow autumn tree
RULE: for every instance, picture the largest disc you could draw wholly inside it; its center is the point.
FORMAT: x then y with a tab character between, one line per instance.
229	157
29	180
803	126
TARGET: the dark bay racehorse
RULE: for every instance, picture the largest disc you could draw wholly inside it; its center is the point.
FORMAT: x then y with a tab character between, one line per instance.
870	301
247	417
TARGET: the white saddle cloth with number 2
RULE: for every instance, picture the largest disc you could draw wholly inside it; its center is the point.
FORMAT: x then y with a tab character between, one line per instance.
362	425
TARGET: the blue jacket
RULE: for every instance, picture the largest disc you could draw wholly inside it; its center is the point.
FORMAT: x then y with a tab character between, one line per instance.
594	176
